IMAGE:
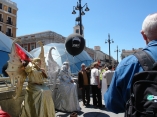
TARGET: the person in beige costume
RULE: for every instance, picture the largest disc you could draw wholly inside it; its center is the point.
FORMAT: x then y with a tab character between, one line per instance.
38	98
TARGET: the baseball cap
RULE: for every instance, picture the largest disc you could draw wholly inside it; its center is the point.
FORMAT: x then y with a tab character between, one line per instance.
83	64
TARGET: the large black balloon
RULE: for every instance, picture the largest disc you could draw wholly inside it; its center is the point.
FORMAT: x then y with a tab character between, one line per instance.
74	44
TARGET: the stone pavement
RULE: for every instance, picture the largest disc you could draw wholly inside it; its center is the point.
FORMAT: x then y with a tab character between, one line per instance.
90	111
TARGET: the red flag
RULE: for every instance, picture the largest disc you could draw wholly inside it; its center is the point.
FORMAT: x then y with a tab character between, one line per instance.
22	53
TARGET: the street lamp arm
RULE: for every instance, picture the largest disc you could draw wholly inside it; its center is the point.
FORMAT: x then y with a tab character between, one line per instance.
109	41
84	5
74	7
74	12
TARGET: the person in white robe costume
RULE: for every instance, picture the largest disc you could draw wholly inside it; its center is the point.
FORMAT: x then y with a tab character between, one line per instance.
64	95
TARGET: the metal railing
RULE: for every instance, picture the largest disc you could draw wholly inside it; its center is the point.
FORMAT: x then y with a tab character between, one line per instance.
9	34
5	84
9	22
1	19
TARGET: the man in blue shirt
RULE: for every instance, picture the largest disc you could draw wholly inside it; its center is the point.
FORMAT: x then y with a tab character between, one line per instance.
119	91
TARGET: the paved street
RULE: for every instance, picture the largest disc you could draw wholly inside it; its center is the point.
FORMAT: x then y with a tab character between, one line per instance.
90	112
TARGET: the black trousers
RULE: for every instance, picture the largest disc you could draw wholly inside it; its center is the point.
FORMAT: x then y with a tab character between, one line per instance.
101	83
85	94
96	93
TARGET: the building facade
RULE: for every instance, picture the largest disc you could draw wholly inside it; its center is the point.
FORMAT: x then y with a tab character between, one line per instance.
90	51
126	53
77	29
29	42
8	17
103	57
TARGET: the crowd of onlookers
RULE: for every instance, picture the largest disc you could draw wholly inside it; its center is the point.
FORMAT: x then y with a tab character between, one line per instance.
97	78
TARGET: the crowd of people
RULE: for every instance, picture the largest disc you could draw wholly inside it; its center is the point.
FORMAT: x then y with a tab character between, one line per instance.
97	79
112	85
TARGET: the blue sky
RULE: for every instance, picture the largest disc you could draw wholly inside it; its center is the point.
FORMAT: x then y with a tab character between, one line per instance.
121	18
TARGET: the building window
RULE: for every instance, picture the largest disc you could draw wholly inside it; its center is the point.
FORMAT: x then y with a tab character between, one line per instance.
25	47
0	5
8	33
1	19
9	9
77	30
9	21
32	46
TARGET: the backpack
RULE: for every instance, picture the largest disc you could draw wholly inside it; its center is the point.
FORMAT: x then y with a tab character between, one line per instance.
143	92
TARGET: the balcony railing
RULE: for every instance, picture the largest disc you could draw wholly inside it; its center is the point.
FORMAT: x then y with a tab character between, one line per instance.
1	19
9	34
9	22
5	84
106	60
1	5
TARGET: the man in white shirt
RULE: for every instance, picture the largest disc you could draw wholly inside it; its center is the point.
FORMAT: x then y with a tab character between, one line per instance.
106	79
108	75
95	85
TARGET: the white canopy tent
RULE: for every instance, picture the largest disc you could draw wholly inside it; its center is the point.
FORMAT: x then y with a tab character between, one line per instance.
60	55
5	48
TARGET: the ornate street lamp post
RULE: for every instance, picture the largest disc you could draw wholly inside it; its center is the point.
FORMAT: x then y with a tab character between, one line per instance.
109	41
117	53
81	12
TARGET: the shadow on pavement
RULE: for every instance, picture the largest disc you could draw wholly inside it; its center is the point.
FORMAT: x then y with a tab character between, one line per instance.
95	114
92	107
80	113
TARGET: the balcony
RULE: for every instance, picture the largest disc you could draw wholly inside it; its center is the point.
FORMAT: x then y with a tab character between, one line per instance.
2	31
106	60
1	19
9	22
9	34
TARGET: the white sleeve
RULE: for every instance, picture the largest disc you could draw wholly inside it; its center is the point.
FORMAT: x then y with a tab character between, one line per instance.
96	72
